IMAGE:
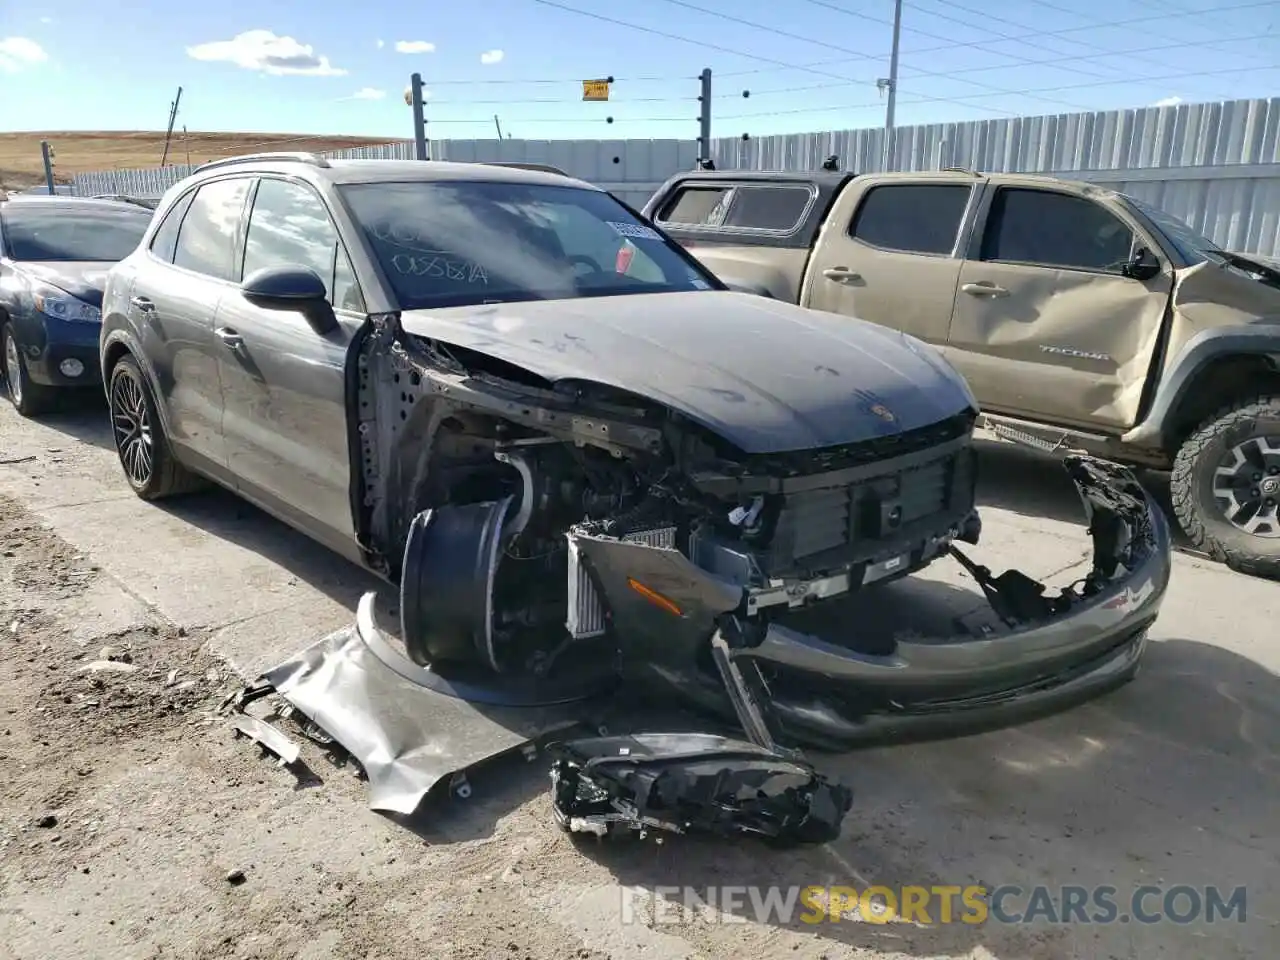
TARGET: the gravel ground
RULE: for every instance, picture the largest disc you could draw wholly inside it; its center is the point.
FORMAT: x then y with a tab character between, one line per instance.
134	824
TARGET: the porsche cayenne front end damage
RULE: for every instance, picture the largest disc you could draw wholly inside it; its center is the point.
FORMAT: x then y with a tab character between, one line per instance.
558	542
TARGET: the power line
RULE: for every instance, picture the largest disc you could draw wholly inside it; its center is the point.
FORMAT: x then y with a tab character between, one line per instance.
1008	37
1072	86
711	46
805	88
853	53
1036	35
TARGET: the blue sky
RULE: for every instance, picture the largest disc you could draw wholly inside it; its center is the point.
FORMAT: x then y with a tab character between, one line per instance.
332	66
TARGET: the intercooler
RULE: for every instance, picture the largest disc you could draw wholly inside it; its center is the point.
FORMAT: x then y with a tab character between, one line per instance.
586	617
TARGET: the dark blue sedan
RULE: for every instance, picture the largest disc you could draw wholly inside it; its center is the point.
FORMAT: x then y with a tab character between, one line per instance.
54	256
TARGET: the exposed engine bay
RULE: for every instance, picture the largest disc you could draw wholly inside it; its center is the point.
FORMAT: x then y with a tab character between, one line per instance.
561	546
465	456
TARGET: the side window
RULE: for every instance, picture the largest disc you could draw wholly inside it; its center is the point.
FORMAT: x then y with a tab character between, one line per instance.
768	208
696	206
289	226
346	290
912	217
207	238
165	239
1054	230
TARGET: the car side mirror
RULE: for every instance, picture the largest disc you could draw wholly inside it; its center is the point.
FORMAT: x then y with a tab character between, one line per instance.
291	288
1143	265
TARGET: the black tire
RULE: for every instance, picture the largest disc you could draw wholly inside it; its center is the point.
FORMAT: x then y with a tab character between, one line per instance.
141	444
30	399
1203	513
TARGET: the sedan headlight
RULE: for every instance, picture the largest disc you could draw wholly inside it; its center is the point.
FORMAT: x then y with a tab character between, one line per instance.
60	305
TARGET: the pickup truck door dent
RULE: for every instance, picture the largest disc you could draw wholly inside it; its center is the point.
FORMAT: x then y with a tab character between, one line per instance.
1046	326
907	280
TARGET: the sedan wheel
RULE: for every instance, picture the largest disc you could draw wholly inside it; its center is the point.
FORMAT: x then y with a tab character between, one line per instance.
143	448
27	398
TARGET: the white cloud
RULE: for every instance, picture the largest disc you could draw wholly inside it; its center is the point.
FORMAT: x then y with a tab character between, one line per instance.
265	52
19	52
46	19
367	93
415	46
491	57
380	43
1168	102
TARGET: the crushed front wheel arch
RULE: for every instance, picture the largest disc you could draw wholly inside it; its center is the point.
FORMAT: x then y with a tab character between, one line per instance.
1215	460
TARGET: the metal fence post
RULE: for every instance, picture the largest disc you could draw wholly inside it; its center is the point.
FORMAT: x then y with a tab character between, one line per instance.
419	117
704	119
47	152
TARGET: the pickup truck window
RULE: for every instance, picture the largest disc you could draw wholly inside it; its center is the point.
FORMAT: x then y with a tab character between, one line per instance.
774	207
1051	229
912	217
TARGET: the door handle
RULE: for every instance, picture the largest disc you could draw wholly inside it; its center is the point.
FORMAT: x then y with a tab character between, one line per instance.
984	289
841	274
229	338
143	304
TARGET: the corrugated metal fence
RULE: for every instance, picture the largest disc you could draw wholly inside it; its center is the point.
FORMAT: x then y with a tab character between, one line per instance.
1215	165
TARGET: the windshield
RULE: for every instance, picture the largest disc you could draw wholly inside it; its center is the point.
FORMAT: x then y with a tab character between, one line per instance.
1190	245
458	243
51	231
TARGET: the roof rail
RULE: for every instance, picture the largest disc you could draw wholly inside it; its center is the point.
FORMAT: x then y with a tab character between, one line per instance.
314	159
542	167
972	173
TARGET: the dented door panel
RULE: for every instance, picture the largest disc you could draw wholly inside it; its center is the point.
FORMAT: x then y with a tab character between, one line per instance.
1060	345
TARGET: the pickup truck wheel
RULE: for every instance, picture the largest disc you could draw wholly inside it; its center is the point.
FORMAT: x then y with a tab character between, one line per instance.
1226	486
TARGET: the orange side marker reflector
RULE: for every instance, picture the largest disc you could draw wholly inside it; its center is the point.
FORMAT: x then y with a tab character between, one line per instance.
657	599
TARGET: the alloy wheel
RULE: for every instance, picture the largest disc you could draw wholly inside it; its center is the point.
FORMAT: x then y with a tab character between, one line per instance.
1246	486
12	368
131	426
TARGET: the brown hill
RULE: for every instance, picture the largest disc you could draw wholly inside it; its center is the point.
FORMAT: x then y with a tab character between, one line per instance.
78	151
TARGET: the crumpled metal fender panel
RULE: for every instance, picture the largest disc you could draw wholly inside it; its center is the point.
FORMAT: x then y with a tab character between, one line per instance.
409	728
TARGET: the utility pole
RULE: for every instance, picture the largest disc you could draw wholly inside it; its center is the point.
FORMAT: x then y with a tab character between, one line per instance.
891	84
498	125
186	143
173	115
47	152
414	97
704	119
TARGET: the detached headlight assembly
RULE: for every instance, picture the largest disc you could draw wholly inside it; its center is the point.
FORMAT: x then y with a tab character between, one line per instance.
60	305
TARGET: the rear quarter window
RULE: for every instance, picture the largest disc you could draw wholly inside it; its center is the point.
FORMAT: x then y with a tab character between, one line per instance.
777	208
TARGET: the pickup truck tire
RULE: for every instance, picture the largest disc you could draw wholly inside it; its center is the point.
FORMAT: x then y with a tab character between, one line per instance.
1251	426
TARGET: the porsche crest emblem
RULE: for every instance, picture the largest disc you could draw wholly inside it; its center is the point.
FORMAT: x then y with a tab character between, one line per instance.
883	412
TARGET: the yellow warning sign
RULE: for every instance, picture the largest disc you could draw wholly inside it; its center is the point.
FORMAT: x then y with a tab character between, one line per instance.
595	90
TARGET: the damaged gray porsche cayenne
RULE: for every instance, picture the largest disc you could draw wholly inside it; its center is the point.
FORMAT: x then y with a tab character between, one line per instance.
582	457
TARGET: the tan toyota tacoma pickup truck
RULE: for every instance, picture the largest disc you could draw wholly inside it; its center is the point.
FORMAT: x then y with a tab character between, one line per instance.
1081	317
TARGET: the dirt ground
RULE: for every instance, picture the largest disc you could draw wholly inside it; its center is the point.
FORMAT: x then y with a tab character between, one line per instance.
80	151
134	824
